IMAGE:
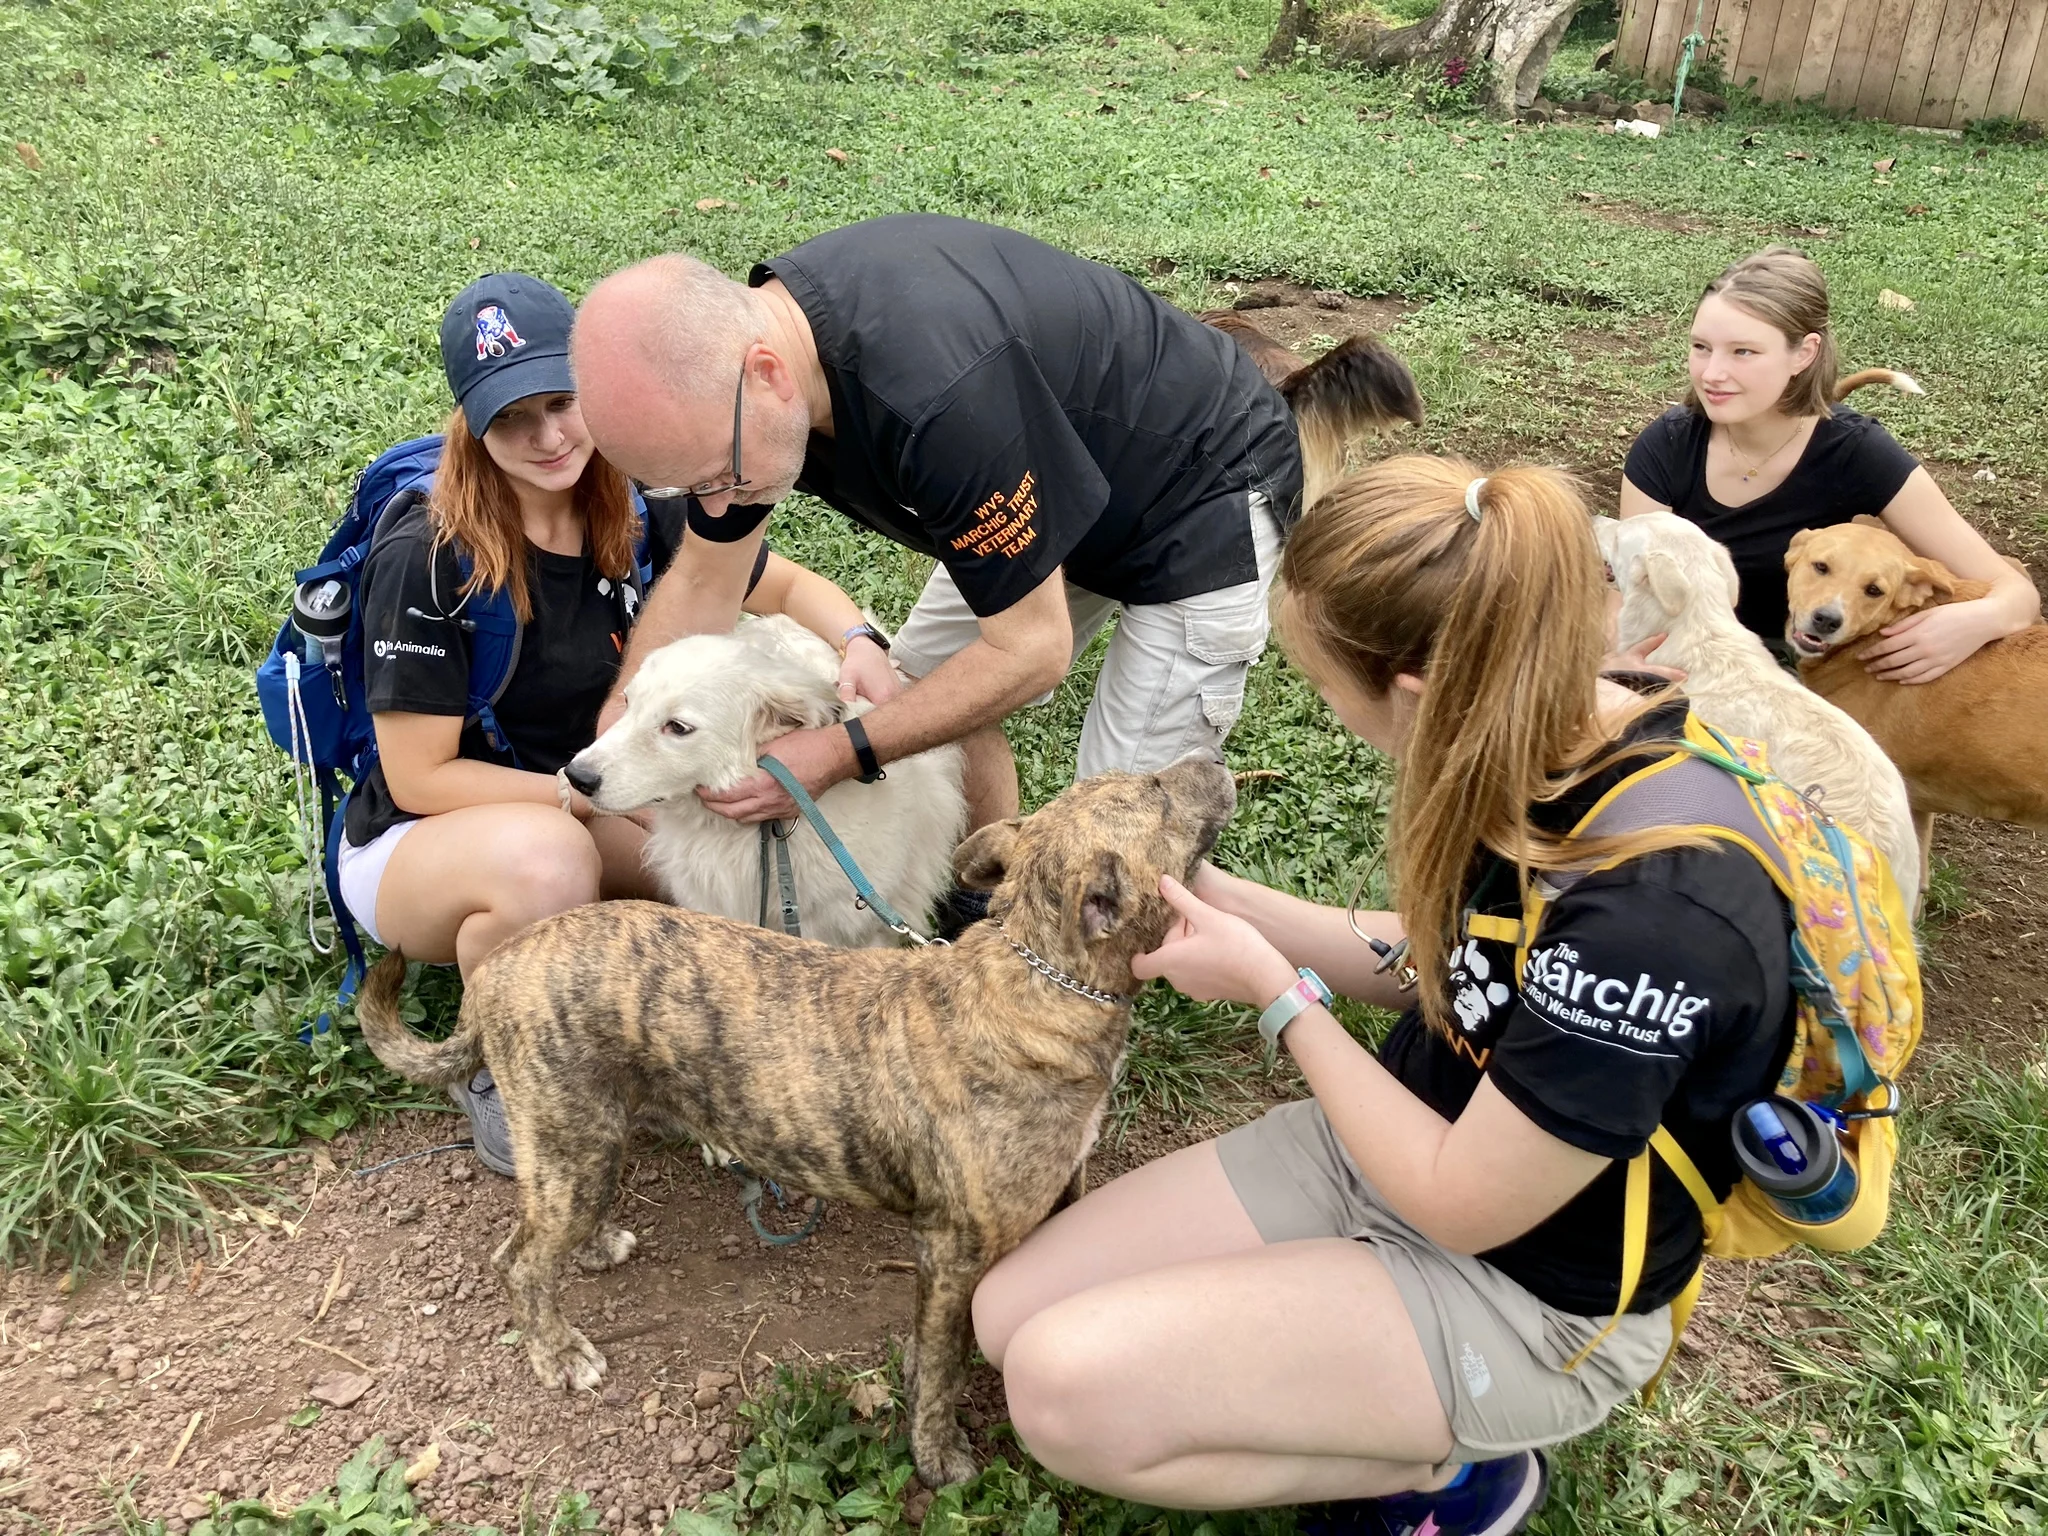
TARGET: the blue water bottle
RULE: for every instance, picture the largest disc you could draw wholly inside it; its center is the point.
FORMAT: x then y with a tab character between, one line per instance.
1792	1153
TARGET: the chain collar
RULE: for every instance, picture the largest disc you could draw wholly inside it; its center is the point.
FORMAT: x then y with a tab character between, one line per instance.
1060	978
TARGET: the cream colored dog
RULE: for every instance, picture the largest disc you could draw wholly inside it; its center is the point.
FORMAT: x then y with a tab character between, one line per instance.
697	714
1675	580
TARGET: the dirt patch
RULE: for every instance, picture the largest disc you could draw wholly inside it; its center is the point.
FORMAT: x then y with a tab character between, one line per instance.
231	1343
1310	320
1614	210
1986	968
2010	509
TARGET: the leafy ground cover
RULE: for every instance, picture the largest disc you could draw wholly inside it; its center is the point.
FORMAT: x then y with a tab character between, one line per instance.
219	283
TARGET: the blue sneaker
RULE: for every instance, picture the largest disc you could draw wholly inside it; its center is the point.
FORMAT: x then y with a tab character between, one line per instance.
488	1131
1488	1498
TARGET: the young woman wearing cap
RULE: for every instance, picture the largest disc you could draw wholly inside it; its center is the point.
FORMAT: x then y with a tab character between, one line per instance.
1761	448
448	846
1383	1288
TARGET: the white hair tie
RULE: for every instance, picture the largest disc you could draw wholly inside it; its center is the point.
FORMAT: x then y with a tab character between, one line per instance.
1472	497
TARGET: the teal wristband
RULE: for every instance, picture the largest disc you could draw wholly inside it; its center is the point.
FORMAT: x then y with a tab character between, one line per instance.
1285	1008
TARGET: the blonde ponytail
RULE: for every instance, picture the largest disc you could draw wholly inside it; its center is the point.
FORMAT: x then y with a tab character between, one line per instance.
1503	615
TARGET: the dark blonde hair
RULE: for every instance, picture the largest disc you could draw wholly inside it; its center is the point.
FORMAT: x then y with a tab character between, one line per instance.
1785	290
1505	617
475	505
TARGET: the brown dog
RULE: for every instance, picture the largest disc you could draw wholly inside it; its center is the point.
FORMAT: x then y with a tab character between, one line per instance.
960	1085
1974	742
1357	386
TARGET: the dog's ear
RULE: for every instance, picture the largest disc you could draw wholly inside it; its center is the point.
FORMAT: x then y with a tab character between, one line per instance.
1105	896
791	699
1927	581
1865	520
981	862
1792	549
1667	581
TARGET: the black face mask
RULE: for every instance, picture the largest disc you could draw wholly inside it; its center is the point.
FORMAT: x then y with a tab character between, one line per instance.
737	523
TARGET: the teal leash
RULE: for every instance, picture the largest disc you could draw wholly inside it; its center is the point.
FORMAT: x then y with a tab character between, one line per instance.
782	881
753	1189
864	891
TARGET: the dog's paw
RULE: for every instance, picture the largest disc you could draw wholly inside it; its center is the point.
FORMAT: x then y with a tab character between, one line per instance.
607	1246
943	1458
574	1364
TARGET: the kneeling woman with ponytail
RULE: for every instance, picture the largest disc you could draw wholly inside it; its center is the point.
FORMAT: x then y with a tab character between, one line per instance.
1397	1290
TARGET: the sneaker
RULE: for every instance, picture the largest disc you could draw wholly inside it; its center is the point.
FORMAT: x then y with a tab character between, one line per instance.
956	910
488	1132
1488	1498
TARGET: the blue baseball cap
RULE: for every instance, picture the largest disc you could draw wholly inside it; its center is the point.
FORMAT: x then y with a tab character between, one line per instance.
505	337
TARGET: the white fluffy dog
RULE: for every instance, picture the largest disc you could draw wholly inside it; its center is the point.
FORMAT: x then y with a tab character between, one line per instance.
1676	580
698	713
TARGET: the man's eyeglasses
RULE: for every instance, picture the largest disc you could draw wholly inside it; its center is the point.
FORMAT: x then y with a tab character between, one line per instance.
738	482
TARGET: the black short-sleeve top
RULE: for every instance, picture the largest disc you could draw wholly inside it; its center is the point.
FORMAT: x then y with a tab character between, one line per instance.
1010	409
1851	467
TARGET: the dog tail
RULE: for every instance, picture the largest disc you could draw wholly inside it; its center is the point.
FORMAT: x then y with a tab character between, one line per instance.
423	1061
1904	383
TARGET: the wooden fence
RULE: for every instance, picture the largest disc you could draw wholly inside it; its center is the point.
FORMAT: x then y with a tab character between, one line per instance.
1938	63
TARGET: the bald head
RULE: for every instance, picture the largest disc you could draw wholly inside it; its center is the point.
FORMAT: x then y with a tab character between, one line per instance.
671	321
657	352
657	349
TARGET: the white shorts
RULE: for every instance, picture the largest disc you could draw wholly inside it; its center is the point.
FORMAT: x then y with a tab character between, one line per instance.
360	871
1173	680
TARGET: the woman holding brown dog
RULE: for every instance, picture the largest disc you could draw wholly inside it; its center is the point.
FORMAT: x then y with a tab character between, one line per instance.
459	837
1762	448
1378	1293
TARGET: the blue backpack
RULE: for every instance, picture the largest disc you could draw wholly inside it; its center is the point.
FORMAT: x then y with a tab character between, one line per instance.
311	683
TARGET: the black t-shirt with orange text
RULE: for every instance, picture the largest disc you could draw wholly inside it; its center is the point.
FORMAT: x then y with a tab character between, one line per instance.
1009	409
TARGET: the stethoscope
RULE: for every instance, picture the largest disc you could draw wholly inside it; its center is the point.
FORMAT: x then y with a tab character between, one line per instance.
1392	957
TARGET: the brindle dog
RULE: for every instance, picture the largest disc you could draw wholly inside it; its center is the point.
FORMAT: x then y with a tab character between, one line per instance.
959	1085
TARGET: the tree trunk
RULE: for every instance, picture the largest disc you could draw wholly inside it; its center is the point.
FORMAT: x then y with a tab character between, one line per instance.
1515	38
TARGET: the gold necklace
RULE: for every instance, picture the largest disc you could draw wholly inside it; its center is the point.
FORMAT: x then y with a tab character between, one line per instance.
1757	468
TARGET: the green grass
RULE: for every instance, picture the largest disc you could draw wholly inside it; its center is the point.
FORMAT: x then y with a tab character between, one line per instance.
153	967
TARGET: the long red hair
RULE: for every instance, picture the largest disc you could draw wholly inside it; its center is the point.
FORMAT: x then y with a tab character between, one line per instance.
474	505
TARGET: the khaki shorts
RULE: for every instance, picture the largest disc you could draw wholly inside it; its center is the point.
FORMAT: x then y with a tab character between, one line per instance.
1173	681
1496	1352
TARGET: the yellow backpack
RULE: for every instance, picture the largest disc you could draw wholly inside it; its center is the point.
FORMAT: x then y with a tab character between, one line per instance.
1855	980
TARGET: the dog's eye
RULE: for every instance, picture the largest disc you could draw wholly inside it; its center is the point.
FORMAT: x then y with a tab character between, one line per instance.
1820	567
1607	569
1872	589
676	728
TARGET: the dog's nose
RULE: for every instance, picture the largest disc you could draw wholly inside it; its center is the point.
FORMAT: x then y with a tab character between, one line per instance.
581	779
1824	622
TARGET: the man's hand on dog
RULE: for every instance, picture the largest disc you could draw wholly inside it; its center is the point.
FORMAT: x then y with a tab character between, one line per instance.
1923	646
1212	956
819	758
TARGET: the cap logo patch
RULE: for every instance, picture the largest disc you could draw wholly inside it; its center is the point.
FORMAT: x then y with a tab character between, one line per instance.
494	333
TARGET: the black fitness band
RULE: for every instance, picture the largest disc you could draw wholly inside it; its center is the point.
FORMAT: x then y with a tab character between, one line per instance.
864	752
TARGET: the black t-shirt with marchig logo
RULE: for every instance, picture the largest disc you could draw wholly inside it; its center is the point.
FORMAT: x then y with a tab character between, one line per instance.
1009	409
1657	992
416	654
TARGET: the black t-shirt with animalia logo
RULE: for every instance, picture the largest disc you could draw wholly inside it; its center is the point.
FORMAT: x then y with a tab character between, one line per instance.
1851	467
1657	992
417	662
1008	409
